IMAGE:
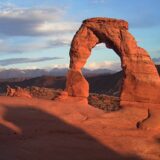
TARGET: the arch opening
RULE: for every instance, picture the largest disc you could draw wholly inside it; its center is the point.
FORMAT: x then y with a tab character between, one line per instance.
103	71
104	76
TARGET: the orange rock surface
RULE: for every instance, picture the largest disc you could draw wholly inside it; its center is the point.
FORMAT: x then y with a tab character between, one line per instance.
76	84
141	82
36	129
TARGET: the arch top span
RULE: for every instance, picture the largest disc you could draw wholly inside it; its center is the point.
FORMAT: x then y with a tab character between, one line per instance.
94	31
121	24
141	82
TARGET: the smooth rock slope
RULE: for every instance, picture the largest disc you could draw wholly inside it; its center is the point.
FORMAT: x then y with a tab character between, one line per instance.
36	129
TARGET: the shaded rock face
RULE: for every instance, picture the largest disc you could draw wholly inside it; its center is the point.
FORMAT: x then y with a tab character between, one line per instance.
141	82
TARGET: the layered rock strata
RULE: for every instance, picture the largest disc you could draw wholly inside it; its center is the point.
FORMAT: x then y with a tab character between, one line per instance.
141	82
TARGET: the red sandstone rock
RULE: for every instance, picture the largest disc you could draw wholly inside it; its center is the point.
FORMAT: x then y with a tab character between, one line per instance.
151	121
141	82
39	129
76	85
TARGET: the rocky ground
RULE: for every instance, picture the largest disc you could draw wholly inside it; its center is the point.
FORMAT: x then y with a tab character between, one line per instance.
101	101
44	93
38	129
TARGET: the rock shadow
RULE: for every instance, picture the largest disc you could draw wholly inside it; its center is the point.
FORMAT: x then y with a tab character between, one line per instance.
44	136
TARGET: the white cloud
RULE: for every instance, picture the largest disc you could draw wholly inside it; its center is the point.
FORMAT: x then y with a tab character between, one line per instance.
11	61
16	21
112	65
59	66
44	28
8	10
30	67
57	27
35	44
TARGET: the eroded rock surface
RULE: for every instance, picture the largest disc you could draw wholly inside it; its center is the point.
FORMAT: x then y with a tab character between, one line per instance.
141	82
17	92
76	84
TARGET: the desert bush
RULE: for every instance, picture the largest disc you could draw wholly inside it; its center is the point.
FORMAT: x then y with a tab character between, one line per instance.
42	92
104	102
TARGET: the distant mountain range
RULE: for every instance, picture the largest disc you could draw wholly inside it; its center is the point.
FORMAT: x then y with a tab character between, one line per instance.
99	83
32	73
105	83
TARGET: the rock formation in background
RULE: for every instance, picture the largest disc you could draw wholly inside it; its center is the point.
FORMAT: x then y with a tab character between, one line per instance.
17	92
141	82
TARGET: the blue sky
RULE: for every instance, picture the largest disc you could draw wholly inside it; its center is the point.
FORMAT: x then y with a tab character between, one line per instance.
37	33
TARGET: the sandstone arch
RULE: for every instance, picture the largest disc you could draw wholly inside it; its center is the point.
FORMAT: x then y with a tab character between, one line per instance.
141	82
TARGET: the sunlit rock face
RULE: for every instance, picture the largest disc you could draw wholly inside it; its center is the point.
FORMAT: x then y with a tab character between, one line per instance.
141	82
